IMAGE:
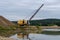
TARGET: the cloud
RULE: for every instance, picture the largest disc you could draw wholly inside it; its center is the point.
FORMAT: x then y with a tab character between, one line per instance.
19	9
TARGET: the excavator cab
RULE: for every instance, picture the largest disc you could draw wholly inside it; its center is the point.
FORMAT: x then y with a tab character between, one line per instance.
22	22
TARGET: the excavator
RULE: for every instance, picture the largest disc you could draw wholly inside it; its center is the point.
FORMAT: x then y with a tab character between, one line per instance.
23	24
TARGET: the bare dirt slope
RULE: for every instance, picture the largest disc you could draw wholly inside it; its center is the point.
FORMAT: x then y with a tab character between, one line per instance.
5	22
7	28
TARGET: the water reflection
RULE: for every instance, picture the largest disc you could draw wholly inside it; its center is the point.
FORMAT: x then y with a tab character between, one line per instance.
44	37
53	34
39	37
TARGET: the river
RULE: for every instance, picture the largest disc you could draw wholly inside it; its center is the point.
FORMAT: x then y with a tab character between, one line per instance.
42	36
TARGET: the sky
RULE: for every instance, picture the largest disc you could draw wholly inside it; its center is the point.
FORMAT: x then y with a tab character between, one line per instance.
23	9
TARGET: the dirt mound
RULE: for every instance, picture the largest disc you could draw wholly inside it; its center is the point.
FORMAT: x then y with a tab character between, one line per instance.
5	22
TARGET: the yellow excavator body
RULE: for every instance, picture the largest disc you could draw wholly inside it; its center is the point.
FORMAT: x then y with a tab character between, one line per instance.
22	22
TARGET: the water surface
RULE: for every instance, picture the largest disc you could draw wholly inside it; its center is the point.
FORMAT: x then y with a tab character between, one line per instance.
40	37
47	34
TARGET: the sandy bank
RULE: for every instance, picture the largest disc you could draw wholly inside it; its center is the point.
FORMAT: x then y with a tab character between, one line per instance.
5	38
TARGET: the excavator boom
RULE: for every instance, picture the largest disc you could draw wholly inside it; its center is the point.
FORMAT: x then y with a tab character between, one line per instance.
36	12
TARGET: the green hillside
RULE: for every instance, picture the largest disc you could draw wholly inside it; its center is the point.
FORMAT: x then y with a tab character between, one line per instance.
46	22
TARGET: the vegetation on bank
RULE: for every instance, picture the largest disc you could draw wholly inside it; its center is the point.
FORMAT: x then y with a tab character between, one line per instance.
7	31
51	32
45	22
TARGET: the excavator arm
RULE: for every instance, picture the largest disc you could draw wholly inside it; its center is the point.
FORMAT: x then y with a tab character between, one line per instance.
36	12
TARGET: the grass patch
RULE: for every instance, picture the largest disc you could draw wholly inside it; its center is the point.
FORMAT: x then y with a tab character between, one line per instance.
7	31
